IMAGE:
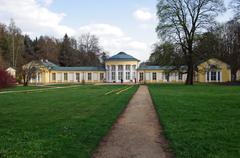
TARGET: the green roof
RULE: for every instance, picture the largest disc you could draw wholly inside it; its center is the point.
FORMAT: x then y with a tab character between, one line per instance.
52	66
82	68
122	56
160	67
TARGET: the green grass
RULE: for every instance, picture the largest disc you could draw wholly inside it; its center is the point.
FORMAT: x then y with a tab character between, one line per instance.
64	85
59	122
20	88
201	121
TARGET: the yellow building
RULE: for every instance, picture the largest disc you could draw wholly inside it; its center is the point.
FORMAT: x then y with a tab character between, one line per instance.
124	68
213	70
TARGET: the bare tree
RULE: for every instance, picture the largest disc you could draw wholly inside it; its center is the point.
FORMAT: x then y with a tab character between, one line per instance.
231	42
16	42
27	72
235	5
182	20
89	43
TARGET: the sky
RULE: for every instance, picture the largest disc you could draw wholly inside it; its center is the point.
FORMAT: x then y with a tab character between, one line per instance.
120	25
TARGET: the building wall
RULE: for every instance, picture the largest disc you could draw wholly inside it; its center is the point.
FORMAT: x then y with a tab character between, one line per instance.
84	76
161	76
238	75
222	67
46	77
124	64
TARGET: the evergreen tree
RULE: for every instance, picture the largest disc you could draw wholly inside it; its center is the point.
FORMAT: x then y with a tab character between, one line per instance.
66	52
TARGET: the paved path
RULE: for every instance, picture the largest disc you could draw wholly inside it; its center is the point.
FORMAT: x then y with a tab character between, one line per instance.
137	133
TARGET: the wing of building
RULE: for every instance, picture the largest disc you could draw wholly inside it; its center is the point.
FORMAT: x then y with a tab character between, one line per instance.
125	68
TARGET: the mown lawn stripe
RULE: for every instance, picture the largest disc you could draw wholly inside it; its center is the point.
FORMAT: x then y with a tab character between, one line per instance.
201	120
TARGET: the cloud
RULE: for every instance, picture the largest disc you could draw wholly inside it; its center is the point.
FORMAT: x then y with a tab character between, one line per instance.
102	29
45	3
34	17
48	2
143	15
113	39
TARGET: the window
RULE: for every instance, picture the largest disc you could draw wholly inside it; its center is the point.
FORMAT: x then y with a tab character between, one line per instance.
207	76
113	68
78	77
120	75
65	76
101	76
167	77
127	75
213	76
120	67
180	76
113	76
134	67
54	76
107	76
134	75
89	76
154	76
141	76
128	67
219	76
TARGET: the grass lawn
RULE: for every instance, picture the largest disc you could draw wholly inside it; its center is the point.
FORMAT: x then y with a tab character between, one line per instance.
20	88
201	121
58	122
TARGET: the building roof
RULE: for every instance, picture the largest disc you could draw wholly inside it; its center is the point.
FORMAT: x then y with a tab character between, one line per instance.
82	68
122	56
145	67
48	64
52	66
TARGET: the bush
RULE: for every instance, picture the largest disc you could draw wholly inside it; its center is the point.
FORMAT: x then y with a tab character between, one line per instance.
6	80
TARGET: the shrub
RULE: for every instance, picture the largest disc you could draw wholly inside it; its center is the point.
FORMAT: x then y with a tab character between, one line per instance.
6	80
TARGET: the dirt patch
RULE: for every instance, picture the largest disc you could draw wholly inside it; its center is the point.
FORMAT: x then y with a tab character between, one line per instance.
137	133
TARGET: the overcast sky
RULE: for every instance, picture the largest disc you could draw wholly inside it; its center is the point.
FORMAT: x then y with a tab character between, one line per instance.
121	25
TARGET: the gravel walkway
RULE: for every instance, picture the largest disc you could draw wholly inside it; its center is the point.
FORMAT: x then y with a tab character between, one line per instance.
137	133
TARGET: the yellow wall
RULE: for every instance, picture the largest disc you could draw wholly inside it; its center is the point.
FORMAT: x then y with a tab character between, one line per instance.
108	63
226	72
85	73
46	74
159	78
238	75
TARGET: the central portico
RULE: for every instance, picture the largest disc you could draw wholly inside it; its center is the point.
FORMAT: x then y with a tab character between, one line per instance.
121	67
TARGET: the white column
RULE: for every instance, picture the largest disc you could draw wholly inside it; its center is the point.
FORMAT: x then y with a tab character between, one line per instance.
40	77
81	76
62	77
131	74
210	78
124	73
220	76
36	80
206	76
110	73
68	76
50	77
116	73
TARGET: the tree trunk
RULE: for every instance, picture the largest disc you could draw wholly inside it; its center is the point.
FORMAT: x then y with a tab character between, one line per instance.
190	71
234	75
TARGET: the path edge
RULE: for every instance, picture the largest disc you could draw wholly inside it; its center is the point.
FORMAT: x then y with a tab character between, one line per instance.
110	129
164	141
